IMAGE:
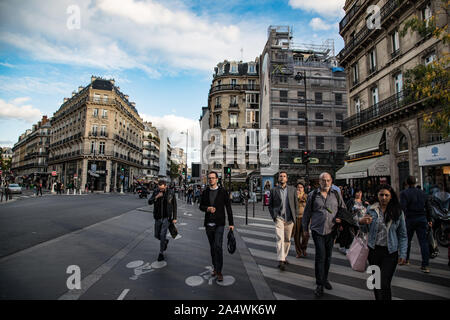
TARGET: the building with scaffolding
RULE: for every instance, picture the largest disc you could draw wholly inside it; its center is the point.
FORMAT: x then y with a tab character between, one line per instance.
303	95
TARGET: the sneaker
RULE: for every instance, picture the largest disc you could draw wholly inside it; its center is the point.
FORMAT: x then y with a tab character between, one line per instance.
281	266
328	285
425	269
160	257
342	250
219	277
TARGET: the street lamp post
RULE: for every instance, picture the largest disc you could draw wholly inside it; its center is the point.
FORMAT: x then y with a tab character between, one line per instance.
186	165
298	77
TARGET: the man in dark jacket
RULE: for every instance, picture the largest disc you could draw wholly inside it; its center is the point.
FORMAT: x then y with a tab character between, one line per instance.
164	212
413	203
283	208
214	201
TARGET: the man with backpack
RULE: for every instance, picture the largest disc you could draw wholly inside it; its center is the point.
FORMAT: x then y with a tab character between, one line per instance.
321	209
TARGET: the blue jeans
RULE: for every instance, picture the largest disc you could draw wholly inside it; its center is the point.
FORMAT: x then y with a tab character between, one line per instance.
161	226
215	238
419	225
324	248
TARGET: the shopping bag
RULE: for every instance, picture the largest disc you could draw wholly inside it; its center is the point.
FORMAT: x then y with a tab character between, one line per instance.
173	230
358	253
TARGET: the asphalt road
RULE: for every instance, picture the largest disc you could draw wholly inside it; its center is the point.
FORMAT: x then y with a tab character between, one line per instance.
27	222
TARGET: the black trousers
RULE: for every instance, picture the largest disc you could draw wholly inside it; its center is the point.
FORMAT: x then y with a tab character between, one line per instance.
215	238
387	262
324	248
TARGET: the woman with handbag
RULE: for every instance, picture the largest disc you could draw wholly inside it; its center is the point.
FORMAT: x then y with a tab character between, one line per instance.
387	237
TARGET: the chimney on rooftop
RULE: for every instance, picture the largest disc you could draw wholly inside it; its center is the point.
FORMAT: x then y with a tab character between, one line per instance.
80	88
93	79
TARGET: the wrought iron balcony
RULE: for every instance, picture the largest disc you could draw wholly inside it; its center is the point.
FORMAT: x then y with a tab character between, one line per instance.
349	15
378	110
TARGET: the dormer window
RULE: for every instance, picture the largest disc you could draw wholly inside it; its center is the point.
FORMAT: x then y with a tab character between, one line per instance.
251	68
234	68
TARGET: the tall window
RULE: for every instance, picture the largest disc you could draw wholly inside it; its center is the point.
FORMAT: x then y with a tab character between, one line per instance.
395	43
357	104
234	68
92	146
251	68
340	143
403	144
103	131
217	120
320	142
233	100
96	97
355	73
339	118
338	99
284	141
374	94
218	101
318	97
302	142
105	98
252	116
283	114
283	96
427	14
104	113
430	58
233	82
398	83
102	148
94	130
95	113
301	96
372	61
319	116
302	116
251	84
233	120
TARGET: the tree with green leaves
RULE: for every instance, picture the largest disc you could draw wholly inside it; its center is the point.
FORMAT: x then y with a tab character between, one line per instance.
431	83
174	170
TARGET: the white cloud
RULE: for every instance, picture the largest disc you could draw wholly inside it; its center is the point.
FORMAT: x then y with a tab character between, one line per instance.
14	110
7	65
115	35
174	126
319	24
323	7
33	85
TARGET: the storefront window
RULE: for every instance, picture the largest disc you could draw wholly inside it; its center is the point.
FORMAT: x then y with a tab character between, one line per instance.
436	177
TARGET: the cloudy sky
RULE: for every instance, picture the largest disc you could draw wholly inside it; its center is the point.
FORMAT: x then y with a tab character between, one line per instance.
161	53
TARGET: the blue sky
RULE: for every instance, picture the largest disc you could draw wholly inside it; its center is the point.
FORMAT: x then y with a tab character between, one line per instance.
161	53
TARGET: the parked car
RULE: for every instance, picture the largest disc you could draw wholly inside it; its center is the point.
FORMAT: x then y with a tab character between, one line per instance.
15	188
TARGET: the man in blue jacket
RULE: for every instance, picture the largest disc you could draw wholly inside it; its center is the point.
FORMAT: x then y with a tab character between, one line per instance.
413	203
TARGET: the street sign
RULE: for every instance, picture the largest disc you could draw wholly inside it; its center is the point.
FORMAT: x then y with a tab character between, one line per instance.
121	177
298	160
313	160
53	173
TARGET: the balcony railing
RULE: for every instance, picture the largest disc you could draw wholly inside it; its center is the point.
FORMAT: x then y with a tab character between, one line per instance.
233	105
385	11
349	16
381	108
236	87
395	53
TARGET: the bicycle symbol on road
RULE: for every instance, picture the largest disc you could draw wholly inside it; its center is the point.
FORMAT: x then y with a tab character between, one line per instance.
195	281
141	268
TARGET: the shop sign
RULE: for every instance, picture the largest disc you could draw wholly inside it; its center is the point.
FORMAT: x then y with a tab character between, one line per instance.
434	155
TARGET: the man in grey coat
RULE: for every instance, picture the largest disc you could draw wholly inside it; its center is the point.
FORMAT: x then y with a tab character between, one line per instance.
283	207
321	209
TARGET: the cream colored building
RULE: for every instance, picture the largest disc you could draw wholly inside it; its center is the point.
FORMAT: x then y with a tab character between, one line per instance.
151	143
384	124
233	103
97	138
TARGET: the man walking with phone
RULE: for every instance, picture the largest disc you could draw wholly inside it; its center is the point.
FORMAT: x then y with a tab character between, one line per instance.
214	201
164	212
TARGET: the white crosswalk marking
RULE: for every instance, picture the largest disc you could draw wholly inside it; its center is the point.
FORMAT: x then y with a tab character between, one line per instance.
260	239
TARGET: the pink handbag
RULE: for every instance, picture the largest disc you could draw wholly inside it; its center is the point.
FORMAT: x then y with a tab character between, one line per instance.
358	253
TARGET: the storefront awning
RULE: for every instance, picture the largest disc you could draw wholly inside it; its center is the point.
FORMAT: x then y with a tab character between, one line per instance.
373	167
366	143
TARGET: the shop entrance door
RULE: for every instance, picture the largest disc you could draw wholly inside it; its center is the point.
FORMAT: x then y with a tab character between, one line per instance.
403	173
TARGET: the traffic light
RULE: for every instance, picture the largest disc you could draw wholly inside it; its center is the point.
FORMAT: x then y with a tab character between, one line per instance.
184	171
227	171
123	169
305	156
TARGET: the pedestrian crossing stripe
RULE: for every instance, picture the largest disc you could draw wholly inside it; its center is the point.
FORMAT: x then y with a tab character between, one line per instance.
438	291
